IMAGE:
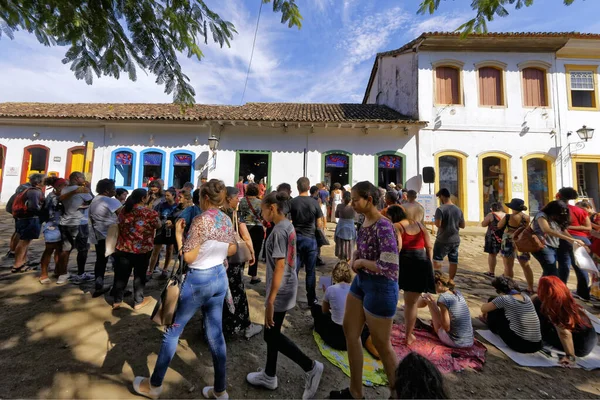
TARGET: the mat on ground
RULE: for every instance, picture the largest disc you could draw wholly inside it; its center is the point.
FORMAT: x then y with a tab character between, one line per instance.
447	359
547	357
373	372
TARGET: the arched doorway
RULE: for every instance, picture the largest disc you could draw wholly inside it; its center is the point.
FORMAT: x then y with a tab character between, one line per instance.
75	160
539	181
35	160
389	168
336	167
451	174
494	180
181	169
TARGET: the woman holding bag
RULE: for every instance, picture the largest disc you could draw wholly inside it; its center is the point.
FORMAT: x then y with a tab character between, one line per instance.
210	241
238	321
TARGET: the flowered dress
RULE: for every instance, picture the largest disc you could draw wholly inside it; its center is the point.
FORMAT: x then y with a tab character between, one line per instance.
136	230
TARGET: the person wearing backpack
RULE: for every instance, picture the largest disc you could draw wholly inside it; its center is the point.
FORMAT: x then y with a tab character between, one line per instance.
26	209
14	240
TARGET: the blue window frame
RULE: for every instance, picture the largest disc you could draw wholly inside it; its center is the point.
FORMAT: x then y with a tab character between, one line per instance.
122	167
181	168
152	166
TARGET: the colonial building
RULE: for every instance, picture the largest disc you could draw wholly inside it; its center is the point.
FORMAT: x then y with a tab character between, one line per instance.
504	111
496	115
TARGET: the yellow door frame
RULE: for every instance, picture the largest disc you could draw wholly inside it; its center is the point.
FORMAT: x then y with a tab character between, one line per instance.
505	166
550	162
583	158
462	175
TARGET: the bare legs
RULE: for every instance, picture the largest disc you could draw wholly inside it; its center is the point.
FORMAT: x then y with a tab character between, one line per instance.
410	314
47	256
492	261
21	253
509	263
452	268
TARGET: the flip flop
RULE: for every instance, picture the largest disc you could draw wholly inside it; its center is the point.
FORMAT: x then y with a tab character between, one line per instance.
20	269
45	281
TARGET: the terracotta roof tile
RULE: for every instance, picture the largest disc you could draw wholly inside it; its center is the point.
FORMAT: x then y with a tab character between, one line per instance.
271	112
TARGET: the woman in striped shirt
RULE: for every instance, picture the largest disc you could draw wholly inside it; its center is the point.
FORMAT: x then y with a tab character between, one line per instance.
512	316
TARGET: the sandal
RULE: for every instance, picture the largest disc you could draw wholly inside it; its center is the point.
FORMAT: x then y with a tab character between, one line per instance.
490	274
45	281
20	269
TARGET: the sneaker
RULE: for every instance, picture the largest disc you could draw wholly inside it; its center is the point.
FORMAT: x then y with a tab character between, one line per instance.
62	279
252	330
152	393
209	393
261	379
85	277
313	378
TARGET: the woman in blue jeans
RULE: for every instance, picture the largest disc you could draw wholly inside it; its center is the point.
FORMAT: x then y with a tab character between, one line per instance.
551	223
210	240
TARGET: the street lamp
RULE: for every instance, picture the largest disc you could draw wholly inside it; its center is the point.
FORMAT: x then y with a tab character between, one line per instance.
585	133
213	142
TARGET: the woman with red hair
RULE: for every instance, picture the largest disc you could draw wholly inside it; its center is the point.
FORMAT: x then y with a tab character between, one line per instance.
563	322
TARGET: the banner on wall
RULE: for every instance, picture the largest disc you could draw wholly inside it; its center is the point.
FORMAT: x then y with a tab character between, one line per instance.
153	159
182	160
336	161
390	162
123	158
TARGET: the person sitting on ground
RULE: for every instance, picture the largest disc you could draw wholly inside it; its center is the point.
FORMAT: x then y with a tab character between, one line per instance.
564	323
493	236
509	224
418	378
512	316
450	315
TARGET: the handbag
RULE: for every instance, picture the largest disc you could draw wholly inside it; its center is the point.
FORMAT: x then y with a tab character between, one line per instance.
111	239
527	241
242	254
166	306
321	238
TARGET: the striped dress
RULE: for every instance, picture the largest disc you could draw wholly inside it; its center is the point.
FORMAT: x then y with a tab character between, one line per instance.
521	315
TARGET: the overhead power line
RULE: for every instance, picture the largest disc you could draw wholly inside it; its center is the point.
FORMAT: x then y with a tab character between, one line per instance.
251	53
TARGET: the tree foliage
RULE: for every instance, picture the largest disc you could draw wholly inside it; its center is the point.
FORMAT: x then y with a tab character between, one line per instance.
485	11
111	37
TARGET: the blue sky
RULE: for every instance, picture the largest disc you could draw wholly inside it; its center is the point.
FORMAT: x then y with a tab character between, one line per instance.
328	60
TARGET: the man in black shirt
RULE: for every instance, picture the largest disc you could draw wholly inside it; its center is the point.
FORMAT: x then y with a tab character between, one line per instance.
306	217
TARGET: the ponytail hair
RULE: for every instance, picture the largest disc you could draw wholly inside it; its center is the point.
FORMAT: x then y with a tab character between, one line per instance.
440	277
280	199
137	196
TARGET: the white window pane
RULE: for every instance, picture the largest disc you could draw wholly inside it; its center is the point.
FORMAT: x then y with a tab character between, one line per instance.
582	80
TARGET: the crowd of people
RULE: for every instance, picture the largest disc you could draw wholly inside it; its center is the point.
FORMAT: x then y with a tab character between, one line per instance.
381	243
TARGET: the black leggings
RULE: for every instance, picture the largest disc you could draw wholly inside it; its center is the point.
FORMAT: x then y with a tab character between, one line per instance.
498	324
101	261
257	234
277	343
124	263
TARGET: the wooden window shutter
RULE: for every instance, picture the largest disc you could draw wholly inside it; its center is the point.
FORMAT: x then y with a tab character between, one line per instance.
534	87
490	87
447	85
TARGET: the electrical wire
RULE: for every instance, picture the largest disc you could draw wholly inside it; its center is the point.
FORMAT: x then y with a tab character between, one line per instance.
251	53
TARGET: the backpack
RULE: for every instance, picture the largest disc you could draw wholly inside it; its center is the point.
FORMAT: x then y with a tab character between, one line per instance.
19	206
9	204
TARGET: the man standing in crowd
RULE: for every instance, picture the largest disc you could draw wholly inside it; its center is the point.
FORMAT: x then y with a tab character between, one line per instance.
26	209
73	226
306	217
413	209
580	228
449	220
34	179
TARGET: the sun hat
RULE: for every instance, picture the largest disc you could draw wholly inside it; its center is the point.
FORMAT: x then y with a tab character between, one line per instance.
516	204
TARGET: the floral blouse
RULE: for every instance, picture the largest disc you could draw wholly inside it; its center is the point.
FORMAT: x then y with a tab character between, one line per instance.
212	224
136	230
378	243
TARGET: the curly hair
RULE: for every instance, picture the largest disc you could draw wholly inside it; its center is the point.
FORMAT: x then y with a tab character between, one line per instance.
341	273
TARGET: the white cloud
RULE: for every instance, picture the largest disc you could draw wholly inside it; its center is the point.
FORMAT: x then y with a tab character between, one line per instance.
439	23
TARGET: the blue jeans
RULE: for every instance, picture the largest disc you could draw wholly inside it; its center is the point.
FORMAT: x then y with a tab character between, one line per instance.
548	257
205	289
307	255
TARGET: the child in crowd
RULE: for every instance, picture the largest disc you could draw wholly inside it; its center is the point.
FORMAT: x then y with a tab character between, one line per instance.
450	313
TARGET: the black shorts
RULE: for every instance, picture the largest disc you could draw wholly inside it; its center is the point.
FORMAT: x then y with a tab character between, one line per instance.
28	228
441	250
161	238
74	237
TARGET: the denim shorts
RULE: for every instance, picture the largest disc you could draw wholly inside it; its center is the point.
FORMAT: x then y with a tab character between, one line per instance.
28	228
378	294
441	250
52	233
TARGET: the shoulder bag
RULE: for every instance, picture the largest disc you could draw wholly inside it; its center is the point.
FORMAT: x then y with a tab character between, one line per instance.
111	239
242	254
166	306
527	241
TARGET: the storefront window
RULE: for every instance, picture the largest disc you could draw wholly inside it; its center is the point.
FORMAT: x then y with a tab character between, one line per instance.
537	184
389	170
123	163
153	167
182	169
337	169
449	171
494	178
